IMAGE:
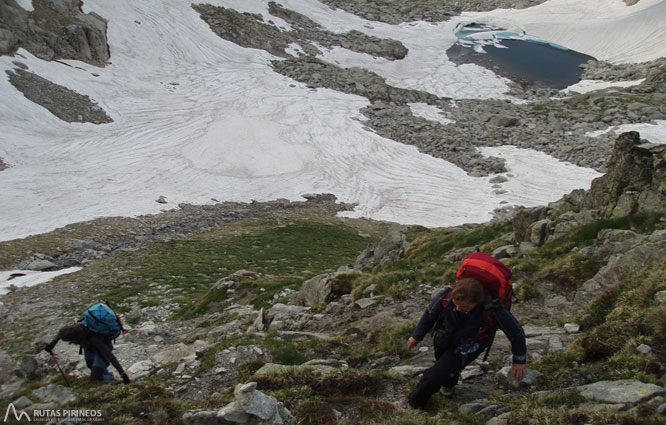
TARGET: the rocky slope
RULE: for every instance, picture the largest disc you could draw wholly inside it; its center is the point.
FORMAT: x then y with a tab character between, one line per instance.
334	341
316	309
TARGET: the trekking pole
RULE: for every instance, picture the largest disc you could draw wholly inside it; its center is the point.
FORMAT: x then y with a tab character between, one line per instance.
60	369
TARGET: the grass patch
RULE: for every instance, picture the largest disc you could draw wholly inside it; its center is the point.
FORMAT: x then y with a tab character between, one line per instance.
586	235
393	341
194	265
432	246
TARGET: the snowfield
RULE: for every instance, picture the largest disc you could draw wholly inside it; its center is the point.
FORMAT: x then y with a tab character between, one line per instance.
197	117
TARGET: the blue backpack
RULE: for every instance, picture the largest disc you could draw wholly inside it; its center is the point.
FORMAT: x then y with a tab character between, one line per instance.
102	320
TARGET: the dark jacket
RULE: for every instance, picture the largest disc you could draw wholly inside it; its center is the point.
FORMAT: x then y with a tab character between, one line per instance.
97	343
453	328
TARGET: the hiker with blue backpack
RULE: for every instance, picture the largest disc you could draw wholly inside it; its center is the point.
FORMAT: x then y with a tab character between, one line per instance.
94	334
465	319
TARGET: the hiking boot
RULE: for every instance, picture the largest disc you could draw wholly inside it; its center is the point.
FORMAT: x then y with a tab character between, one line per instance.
447	392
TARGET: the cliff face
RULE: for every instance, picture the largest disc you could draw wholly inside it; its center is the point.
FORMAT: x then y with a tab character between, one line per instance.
55	29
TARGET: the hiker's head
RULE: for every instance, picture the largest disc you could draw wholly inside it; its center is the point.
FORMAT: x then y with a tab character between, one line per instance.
75	334
467	294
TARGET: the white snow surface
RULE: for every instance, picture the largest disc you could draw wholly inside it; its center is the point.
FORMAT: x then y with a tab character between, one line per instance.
29	278
606	29
197	117
586	86
654	133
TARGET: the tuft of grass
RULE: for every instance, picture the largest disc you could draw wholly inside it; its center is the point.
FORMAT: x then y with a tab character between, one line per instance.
339	383
393	341
568	272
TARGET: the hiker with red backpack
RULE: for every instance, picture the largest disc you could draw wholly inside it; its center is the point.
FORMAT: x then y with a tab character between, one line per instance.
465	319
94	334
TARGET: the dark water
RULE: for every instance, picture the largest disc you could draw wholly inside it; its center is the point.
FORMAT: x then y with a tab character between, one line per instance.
527	62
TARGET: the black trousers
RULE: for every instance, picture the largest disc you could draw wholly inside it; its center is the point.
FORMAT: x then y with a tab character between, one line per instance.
444	373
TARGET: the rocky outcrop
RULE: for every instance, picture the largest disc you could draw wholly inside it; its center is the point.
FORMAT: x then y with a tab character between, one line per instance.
55	29
629	254
250	30
396	11
635	181
390	247
62	102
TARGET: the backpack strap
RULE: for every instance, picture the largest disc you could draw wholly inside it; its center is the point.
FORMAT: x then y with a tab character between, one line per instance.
446	299
491	325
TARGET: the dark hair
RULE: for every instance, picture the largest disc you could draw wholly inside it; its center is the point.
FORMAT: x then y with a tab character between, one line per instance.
75	334
468	291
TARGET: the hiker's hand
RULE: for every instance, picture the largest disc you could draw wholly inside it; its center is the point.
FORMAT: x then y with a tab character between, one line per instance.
49	348
411	342
518	371
125	378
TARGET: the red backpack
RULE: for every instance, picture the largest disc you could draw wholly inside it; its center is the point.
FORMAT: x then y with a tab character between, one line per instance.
495	277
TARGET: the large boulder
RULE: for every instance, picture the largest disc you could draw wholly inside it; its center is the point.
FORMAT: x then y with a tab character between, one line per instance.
319	289
250	407
389	247
523	220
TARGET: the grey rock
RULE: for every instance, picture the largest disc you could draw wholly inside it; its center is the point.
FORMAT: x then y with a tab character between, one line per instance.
526	247
406	371
505	378
369	302
643	349
273	369
254	402
279	312
660	297
22	402
202	417
55	394
538	231
390	247
474	407
506	251
502	419
318	290
234	413
41	265
625	391
504	121
571	328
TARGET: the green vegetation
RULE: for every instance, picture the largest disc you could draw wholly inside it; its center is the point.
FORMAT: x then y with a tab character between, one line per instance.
280	256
